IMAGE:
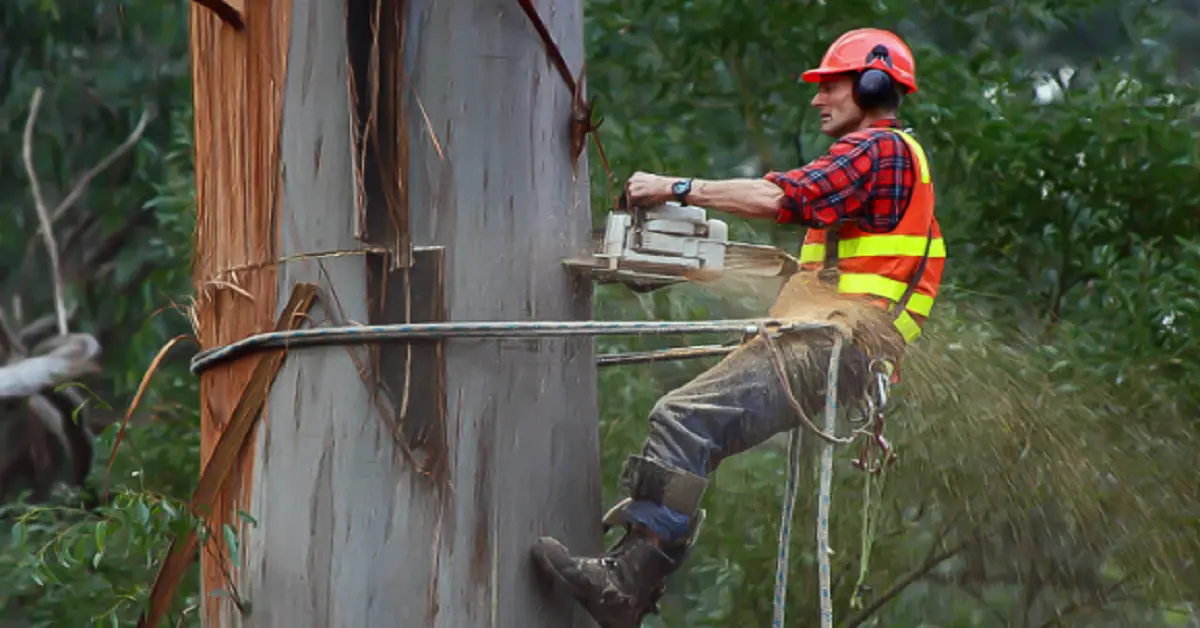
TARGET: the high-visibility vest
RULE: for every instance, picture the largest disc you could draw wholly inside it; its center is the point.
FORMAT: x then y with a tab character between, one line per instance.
885	265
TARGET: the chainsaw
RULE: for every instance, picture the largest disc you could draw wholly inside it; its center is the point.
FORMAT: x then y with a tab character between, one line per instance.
647	248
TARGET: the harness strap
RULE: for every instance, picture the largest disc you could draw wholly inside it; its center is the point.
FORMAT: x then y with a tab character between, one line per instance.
916	278
829	270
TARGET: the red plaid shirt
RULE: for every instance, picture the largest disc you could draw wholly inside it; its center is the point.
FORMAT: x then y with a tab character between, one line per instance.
865	177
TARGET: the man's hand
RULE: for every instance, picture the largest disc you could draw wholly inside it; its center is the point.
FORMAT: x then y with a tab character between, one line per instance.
644	188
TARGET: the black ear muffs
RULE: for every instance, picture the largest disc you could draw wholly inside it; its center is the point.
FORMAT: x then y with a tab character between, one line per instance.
874	88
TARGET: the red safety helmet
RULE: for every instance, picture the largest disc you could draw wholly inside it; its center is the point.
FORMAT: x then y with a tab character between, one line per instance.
860	50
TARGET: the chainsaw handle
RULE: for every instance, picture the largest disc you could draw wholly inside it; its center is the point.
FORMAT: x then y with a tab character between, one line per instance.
623	201
624	207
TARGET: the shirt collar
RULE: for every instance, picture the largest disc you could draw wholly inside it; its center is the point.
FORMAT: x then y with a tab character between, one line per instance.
886	123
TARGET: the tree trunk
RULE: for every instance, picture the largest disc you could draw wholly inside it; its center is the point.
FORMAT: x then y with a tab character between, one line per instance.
402	485
492	181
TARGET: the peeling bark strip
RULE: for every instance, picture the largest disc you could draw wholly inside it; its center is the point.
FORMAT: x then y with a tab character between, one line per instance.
375	42
225	456
237	83
582	121
232	12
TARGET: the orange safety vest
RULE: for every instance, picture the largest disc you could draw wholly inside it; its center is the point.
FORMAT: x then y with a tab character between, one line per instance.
903	267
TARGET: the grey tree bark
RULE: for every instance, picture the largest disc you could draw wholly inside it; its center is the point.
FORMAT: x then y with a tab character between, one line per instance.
348	532
492	182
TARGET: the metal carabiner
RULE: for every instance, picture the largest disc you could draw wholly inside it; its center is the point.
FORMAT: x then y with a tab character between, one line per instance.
886	455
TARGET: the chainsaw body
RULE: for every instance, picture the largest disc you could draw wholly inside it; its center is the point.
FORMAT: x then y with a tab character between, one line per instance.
649	248
658	246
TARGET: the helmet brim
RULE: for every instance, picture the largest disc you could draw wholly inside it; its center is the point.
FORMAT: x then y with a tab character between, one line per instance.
817	75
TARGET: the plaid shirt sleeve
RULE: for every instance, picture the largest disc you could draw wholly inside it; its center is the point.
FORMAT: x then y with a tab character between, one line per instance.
868	165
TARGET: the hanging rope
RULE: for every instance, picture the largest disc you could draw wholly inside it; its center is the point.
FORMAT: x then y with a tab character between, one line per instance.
785	527
826	485
872	431
869	523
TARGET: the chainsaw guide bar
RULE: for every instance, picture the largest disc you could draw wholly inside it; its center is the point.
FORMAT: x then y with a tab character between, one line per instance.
650	248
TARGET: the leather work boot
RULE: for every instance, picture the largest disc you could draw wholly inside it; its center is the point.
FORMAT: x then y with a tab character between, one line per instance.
621	587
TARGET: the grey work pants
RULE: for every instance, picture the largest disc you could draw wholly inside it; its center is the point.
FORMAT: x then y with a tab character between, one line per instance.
738	404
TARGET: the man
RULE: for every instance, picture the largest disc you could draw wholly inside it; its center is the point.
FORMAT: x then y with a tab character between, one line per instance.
873	241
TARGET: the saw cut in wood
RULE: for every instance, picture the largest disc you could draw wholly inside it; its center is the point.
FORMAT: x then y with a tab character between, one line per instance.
654	247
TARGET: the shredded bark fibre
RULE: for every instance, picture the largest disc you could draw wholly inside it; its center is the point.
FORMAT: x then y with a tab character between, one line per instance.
238	81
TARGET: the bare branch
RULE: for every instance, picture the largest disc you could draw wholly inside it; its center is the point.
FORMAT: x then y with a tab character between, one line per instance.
49	418
43	214
932	559
72	355
77	190
900	585
123	148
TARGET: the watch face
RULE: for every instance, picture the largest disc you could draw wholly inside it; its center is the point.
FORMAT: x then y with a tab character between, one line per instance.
680	187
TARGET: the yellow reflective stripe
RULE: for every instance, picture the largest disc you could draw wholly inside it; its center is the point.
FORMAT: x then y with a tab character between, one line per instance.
922	162
907	326
878	285
812	253
876	246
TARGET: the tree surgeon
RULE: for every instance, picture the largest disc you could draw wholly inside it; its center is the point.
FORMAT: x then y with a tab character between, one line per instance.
872	242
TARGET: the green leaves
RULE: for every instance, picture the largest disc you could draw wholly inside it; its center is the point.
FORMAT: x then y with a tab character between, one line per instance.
71	566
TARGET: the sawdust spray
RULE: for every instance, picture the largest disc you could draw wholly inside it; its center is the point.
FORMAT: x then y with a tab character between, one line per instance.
986	423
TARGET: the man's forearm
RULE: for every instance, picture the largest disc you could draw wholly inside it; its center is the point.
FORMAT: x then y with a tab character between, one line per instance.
748	198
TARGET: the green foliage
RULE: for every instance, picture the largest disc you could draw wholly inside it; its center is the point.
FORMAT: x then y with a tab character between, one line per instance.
73	567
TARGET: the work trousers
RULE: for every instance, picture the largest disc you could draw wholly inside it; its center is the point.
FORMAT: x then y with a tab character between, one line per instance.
738	404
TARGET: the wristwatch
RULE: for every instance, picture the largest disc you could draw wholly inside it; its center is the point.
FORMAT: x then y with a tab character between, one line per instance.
681	189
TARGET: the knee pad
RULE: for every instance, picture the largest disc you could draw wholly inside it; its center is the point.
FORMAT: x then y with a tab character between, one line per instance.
646	479
679	490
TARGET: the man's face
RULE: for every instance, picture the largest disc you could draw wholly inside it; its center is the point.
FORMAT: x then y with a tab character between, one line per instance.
835	102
